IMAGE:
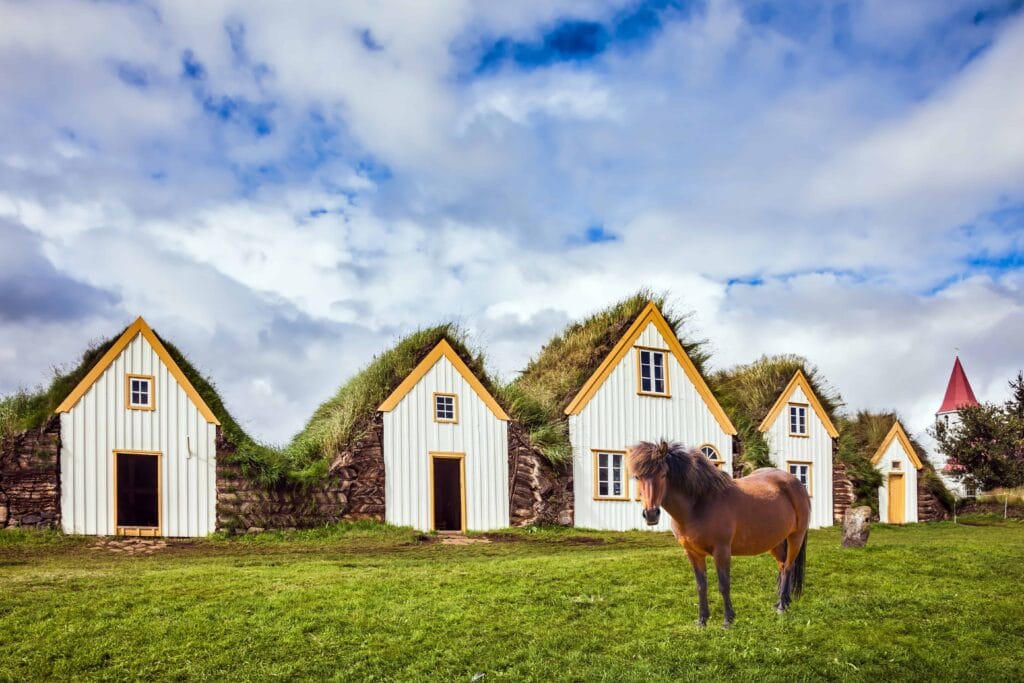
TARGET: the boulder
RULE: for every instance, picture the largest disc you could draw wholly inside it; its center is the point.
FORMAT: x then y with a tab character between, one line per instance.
856	526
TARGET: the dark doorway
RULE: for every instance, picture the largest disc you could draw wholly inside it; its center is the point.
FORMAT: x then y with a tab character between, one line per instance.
447	494
138	486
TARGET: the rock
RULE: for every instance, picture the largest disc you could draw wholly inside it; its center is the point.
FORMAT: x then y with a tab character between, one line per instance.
856	526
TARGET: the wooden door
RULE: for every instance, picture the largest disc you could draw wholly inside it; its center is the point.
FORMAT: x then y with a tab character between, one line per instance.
897	499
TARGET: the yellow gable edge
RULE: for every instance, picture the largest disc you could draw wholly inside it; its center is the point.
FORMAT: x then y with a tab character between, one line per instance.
897	432
650	314
135	329
443	349
799	380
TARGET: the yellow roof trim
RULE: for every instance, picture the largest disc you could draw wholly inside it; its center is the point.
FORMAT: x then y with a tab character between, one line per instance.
799	380
442	350
135	329
649	315
897	433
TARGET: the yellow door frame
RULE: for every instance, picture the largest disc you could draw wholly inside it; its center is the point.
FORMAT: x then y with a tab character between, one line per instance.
442	455
145	530
902	509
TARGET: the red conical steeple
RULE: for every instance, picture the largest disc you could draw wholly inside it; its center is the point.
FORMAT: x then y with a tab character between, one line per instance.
959	392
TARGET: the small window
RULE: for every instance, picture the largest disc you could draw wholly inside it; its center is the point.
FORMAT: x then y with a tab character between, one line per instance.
139	392
797	419
711	454
446	408
896	465
652	366
610	475
802	471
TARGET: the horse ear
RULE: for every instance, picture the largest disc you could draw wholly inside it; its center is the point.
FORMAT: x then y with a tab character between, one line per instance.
663	449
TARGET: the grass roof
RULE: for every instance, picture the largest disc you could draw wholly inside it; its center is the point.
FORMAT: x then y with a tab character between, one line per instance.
748	392
346	416
539	396
860	437
30	409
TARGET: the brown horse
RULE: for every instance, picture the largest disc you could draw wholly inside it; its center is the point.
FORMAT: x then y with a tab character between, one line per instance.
714	515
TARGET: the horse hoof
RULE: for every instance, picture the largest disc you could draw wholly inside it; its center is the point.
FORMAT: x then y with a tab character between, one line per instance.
701	623
727	625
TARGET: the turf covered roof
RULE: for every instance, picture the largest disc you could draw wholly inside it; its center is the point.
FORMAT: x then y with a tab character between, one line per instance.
748	392
541	393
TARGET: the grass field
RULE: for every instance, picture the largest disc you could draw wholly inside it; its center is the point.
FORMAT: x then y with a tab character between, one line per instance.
922	602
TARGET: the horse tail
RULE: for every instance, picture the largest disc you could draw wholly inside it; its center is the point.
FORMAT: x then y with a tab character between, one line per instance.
797	581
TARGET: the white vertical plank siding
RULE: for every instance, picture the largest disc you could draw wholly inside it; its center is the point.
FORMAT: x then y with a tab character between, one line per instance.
101	423
895	452
617	417
411	435
815	448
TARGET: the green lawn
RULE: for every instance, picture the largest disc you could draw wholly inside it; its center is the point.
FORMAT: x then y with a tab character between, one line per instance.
922	602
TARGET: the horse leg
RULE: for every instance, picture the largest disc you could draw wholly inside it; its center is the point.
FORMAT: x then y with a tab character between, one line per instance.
793	545
700	572
779	553
723	560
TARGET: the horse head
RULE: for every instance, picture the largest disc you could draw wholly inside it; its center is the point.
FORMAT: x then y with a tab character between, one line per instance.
649	464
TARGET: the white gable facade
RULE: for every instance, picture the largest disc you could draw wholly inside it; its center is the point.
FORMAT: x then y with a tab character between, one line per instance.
171	433
807	455
897	496
618	416
466	433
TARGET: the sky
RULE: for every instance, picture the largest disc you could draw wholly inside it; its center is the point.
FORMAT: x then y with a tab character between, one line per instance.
283	190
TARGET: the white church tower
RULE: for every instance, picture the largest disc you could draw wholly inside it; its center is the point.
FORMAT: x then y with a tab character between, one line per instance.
958	395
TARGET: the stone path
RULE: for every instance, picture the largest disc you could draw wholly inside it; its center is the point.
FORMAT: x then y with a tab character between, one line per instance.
130	546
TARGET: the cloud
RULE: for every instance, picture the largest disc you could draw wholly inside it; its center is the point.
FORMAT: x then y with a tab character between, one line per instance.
284	192
32	289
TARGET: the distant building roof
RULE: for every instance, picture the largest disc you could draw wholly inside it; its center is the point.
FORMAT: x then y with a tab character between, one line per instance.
959	392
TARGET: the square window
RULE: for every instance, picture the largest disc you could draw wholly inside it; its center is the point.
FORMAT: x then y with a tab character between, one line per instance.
139	392
445	408
802	471
651	365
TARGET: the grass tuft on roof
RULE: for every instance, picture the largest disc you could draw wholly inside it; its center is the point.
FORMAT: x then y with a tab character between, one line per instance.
537	398
346	416
748	392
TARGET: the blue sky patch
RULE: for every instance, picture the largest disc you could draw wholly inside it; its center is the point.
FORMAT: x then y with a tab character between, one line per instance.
369	42
579	39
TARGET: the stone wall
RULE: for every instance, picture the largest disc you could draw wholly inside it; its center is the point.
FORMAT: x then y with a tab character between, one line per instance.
352	489
539	492
30	477
929	509
842	491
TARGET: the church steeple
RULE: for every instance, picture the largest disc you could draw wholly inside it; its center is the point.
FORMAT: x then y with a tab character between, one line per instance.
958	392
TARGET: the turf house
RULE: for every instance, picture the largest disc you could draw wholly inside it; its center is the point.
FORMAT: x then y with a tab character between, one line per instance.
899	463
445	449
131	451
628	362
801	438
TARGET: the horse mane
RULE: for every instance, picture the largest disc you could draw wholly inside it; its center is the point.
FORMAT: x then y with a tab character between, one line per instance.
686	468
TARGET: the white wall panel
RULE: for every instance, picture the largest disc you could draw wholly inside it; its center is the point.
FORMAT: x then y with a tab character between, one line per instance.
410	435
895	452
617	417
815	448
101	423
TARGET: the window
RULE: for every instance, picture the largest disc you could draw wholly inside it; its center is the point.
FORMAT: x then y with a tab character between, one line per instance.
652	374
797	419
896	465
802	471
711	454
446	408
139	392
610	475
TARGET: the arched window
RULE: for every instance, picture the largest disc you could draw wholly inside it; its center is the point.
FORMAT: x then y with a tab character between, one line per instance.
711	453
